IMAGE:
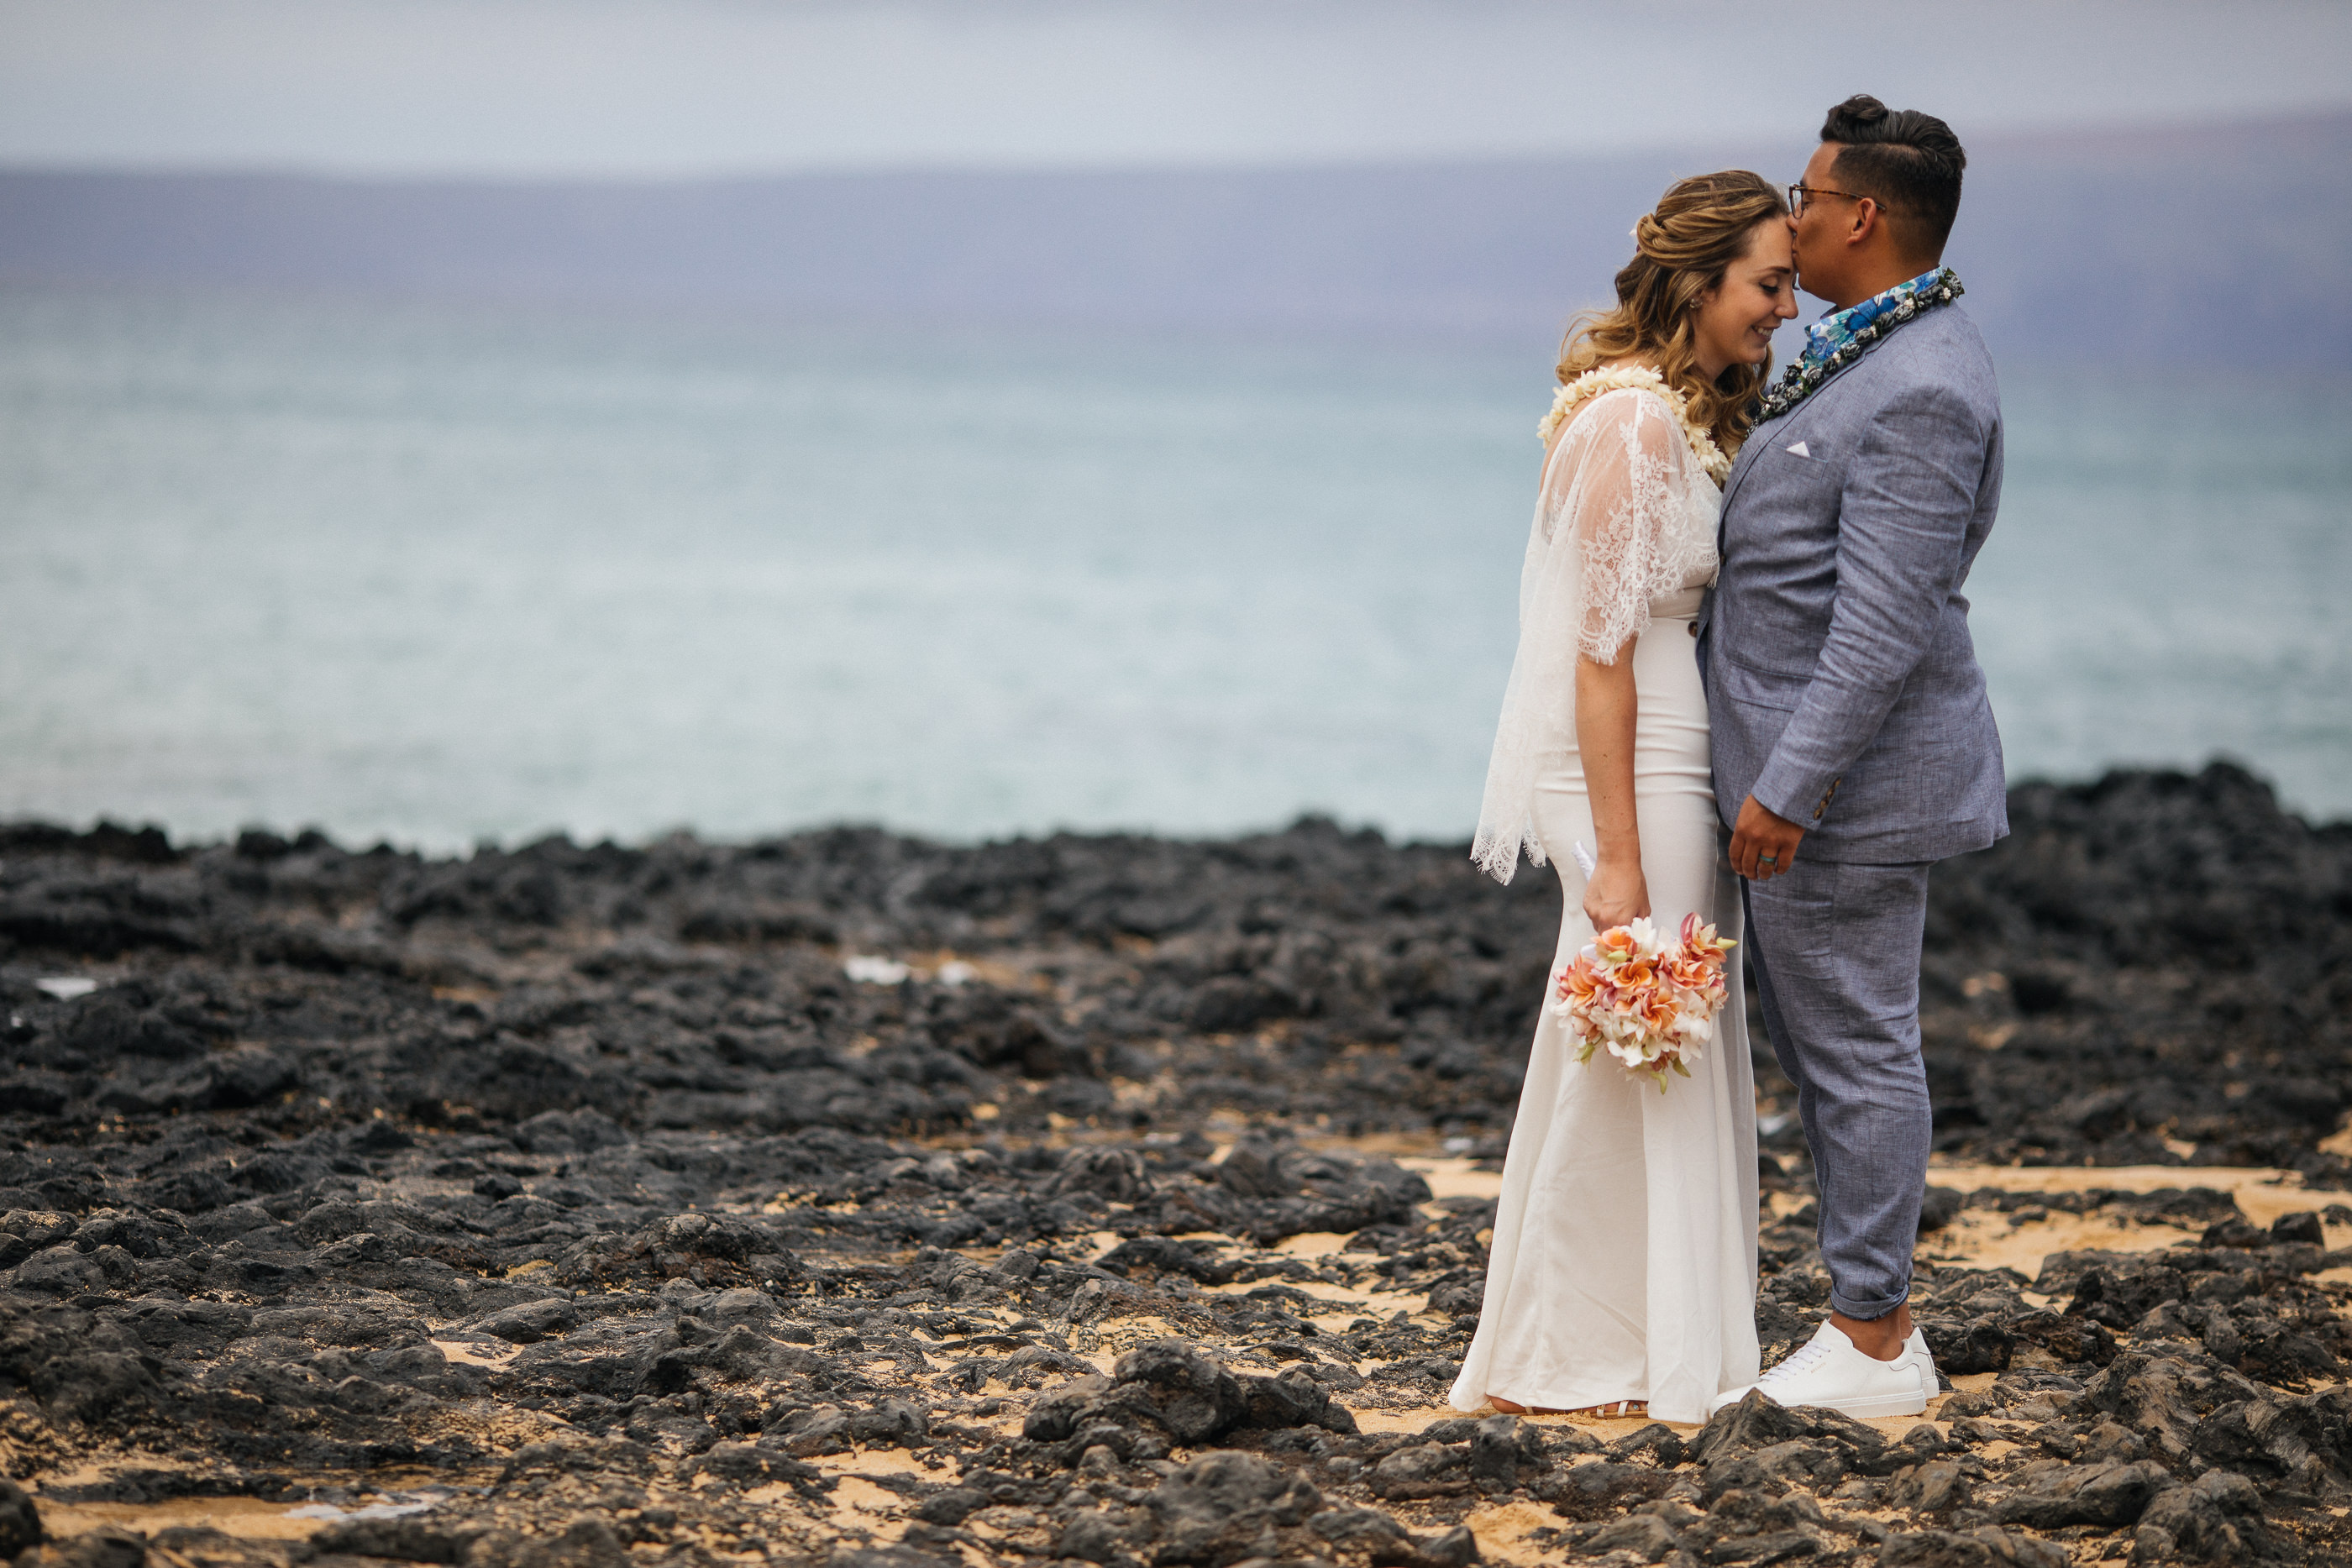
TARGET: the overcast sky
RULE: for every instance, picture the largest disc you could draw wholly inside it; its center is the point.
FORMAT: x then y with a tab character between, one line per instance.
688	87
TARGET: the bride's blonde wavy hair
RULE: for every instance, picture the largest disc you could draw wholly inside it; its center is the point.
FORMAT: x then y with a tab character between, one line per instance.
1682	249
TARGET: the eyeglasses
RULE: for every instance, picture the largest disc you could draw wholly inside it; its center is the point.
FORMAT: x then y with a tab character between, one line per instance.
1799	193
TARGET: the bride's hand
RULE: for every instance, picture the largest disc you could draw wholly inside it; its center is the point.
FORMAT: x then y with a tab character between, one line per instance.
1615	894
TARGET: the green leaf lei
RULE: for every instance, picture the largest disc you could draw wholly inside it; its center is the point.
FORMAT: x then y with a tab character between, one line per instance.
1805	377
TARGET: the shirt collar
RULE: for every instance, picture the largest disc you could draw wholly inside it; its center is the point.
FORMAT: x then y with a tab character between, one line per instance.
1835	330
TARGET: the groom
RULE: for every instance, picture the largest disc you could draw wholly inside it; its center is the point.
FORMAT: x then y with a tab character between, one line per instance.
1854	747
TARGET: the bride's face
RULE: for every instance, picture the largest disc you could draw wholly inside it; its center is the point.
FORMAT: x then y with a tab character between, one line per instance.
1737	318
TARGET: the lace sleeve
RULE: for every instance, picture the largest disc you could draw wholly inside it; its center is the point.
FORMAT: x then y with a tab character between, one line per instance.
1614	484
1598	547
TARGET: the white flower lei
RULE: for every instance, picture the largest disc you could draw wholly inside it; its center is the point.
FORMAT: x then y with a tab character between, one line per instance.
1592	384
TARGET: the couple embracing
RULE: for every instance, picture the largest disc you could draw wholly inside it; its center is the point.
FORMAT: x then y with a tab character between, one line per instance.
1745	680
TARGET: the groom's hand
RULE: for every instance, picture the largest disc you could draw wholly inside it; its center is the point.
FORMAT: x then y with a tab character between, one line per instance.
1763	842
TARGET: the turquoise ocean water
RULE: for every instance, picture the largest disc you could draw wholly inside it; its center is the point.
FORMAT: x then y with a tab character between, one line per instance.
442	574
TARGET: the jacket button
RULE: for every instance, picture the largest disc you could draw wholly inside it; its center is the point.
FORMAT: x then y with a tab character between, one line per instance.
1694	628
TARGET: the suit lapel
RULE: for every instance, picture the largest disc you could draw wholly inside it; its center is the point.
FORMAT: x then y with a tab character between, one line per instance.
1796	418
1739	468
1745	460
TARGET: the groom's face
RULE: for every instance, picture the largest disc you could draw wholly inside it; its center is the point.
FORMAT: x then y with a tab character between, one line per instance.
1822	228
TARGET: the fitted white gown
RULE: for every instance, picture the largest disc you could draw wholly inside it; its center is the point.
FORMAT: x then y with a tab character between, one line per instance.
1624	1258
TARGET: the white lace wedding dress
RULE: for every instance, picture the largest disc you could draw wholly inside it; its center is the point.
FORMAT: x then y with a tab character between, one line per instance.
1623	1259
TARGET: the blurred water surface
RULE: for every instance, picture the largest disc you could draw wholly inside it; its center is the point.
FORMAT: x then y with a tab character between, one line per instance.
441	574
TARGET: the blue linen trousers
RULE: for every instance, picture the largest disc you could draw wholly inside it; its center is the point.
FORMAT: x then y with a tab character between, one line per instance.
1834	946
1843	694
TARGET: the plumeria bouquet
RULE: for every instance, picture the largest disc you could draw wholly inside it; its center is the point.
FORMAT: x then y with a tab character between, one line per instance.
1651	1004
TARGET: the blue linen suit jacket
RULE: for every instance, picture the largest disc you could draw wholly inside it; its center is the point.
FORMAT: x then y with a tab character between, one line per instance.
1843	687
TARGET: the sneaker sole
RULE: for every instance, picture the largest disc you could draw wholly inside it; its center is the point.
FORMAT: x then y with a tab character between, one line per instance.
1873	1405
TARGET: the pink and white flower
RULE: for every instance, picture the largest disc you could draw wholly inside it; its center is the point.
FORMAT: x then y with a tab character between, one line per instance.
1651	1005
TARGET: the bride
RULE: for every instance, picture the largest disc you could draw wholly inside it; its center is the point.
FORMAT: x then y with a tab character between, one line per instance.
1622	1271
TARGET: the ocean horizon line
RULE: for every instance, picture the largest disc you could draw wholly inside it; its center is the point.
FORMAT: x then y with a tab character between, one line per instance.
1497	250
2153	132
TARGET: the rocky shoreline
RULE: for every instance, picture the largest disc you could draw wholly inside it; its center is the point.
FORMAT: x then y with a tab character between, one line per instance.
1100	1199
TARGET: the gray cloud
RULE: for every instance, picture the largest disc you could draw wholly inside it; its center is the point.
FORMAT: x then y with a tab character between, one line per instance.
678	87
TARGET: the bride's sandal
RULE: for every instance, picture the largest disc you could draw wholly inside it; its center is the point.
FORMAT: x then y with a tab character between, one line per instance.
1620	1409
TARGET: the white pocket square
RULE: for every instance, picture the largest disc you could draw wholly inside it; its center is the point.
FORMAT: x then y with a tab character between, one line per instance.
1799	448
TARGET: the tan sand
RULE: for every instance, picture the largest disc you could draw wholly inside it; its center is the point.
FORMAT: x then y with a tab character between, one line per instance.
247	1518
1503	1529
1456	1177
2263	1192
1982	1238
859	1504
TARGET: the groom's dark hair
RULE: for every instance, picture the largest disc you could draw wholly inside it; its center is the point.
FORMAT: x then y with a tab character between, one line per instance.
1909	162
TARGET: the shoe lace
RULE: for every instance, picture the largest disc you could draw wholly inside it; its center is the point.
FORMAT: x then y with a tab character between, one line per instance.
1803	1360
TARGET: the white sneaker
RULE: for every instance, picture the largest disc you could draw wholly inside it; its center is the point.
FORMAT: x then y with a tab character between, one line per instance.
1916	1352
1828	1371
